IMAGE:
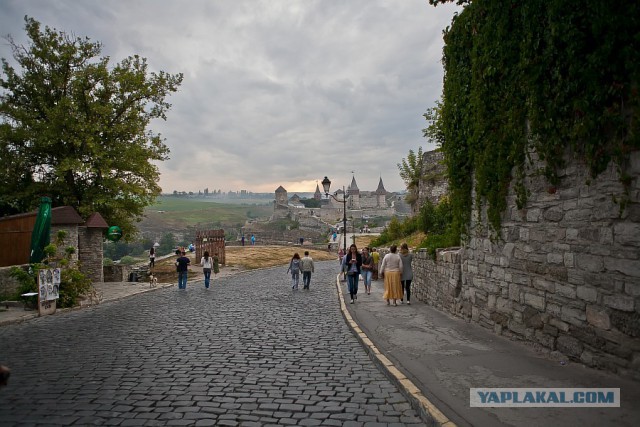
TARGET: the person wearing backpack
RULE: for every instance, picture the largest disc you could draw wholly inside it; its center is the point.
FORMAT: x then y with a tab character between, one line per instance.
294	268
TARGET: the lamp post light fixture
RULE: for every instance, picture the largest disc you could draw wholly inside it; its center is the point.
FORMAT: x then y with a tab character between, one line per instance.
326	184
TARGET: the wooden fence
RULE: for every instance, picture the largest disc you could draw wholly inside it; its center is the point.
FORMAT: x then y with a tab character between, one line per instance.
211	241
15	239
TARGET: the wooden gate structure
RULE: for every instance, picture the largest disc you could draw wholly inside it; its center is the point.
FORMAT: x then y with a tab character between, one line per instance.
211	241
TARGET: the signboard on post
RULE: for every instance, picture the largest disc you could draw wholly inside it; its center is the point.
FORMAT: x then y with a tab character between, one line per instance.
48	290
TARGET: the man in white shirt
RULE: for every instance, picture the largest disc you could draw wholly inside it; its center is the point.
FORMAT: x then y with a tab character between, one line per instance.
306	266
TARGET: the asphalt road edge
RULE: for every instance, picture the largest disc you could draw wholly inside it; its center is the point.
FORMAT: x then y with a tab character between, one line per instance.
429	413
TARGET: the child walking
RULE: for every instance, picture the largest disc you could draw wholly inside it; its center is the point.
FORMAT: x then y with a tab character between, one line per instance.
294	268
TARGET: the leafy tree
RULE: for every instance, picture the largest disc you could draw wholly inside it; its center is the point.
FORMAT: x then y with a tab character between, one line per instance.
310	203
410	172
75	128
435	130
167	244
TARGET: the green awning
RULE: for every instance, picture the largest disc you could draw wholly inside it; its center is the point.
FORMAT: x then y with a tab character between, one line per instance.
41	234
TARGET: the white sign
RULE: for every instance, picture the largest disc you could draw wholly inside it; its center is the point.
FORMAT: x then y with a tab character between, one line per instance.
49	284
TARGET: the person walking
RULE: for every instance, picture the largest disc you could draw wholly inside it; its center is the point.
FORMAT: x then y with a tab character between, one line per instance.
306	266
391	272
152	257
367	269
242	240
253	240
353	262
206	262
343	271
294	268
376	259
182	265
407	272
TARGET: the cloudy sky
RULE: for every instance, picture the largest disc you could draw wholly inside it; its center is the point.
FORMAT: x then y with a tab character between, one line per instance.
275	92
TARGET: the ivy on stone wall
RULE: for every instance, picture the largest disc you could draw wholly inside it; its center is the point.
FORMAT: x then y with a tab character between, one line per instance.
545	75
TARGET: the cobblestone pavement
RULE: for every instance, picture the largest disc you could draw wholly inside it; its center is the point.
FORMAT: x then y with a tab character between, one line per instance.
248	351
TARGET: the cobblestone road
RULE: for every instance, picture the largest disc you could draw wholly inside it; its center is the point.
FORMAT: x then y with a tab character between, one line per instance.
249	351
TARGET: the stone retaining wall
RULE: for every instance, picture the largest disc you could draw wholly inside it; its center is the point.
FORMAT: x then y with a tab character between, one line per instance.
8	285
565	273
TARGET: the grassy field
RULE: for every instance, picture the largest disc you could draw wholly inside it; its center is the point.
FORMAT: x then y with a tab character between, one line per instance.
178	212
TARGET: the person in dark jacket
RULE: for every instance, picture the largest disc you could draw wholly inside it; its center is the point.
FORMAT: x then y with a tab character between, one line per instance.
182	266
353	263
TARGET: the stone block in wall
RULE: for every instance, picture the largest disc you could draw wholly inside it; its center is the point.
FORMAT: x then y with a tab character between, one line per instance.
628	267
535	267
625	322
573	316
554	214
587	293
571	234
632	288
569	345
521	279
562	326
589	234
534	300
589	336
558	273
598	317
533	318
475	313
508	249
569	259
497	273
499	318
619	302
577	215
503	306
606	236
591	263
554	309
621	351
555	258
514	292
533	215
568	291
517	327
627	234
548	329
544	285
545	339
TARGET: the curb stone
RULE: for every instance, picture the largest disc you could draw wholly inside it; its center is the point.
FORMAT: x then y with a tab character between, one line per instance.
429	413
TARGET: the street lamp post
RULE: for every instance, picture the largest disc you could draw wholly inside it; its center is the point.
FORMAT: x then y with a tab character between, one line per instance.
326	184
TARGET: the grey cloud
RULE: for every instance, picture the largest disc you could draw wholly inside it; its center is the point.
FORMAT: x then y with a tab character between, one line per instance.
275	91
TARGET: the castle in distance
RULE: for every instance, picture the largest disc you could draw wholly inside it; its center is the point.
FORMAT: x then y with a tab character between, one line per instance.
359	204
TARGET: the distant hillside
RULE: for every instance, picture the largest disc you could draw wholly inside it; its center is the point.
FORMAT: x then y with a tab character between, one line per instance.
181	215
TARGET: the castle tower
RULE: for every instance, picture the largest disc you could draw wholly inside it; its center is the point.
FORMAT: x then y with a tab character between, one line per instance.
353	192
281	198
381	195
317	195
